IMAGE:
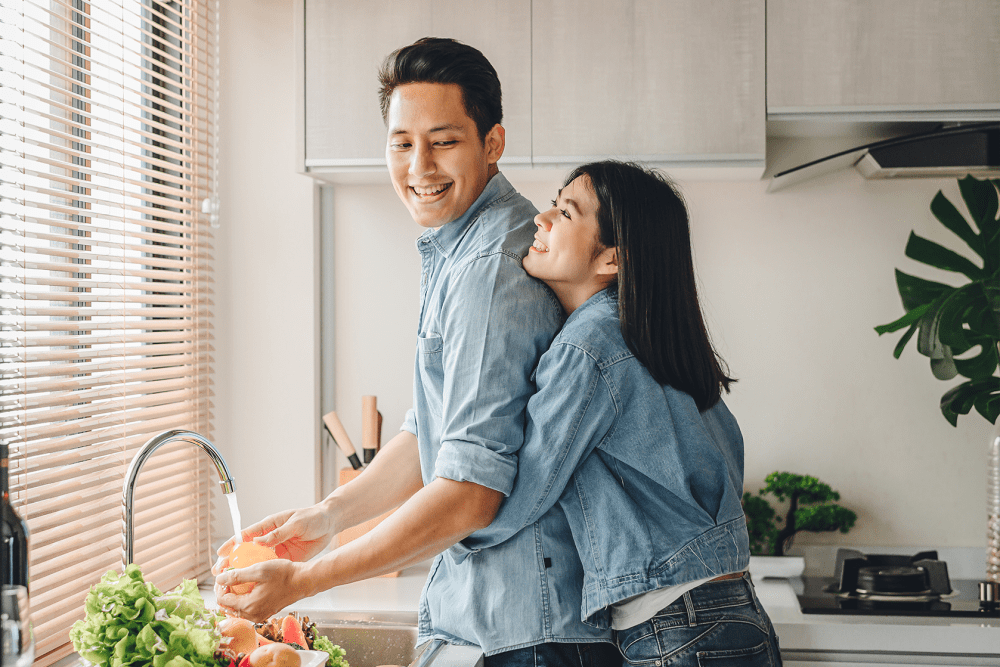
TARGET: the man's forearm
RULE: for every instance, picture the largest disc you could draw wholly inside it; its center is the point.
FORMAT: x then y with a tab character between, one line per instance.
387	482
436	517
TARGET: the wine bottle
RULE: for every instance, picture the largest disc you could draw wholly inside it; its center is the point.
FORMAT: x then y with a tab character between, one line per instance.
15	532
17	645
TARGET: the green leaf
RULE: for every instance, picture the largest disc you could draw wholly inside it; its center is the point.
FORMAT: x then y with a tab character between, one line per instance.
988	406
898	350
933	254
981	366
909	318
928	342
944	368
980	198
916	291
949	216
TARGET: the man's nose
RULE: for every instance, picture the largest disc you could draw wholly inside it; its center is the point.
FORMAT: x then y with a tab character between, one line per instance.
421	162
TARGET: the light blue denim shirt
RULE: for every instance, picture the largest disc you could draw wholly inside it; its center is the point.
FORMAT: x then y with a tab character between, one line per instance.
483	325
650	486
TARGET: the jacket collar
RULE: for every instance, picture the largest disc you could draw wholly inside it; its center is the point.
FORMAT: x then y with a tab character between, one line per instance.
447	237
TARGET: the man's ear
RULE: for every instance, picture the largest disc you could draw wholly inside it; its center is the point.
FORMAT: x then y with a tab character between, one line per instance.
494	143
607	263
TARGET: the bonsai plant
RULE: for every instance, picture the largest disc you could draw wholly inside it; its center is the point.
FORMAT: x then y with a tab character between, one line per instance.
810	507
953	321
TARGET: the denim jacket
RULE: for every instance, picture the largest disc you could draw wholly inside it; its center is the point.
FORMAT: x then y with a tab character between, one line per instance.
483	325
650	486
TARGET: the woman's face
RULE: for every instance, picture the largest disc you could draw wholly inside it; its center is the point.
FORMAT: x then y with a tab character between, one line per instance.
566	242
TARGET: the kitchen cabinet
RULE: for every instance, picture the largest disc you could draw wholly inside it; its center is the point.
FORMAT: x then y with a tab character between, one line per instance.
678	82
657	81
935	58
345	43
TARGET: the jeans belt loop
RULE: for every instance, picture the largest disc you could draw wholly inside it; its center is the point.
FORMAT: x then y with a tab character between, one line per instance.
689	606
750	589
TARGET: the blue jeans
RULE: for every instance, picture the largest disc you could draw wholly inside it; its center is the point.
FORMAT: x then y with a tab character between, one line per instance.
554	654
720	623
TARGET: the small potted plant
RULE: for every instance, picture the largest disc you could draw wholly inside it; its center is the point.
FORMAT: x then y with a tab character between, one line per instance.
811	507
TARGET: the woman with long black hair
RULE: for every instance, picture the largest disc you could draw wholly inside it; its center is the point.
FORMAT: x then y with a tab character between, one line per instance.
628	434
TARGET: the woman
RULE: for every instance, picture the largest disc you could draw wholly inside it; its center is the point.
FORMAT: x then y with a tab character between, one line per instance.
628	433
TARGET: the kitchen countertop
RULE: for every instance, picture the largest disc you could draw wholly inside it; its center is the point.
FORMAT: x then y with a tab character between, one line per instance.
400	593
802	636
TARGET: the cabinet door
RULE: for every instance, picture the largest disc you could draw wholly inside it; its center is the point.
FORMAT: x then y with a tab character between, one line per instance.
658	80
345	43
825	55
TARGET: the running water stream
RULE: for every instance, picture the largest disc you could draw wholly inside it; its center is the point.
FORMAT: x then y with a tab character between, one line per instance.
234	510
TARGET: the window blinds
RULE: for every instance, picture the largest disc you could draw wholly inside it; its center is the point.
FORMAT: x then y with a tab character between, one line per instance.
107	145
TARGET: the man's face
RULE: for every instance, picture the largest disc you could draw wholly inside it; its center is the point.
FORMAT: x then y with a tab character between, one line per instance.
437	162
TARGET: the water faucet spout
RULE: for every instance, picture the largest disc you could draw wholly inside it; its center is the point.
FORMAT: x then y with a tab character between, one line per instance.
128	492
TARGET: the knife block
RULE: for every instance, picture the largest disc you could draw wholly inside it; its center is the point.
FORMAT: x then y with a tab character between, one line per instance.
345	536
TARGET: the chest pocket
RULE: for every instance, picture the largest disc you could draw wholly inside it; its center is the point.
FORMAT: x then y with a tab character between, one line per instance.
430	365
430	344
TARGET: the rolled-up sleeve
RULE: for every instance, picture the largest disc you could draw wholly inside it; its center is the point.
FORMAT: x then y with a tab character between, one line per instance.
496	322
568	417
410	422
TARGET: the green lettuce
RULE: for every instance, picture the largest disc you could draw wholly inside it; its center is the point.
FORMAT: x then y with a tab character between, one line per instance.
321	643
129	622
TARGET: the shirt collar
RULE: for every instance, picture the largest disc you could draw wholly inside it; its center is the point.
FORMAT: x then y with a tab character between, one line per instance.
447	237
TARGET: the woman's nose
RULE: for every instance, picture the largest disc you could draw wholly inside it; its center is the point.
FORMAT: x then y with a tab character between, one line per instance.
542	223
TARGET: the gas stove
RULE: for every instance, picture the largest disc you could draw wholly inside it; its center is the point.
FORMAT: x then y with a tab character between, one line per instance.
889	585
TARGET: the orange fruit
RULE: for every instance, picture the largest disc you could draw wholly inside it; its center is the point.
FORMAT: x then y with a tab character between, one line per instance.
241	633
246	554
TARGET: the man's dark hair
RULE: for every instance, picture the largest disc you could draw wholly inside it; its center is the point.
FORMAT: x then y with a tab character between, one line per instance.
641	213
439	60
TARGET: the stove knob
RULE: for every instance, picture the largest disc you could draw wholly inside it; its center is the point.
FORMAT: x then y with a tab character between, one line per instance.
989	594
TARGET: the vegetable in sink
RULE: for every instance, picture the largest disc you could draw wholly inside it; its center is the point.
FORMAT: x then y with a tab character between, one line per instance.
130	623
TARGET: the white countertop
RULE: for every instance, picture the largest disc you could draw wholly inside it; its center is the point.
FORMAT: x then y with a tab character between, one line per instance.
905	634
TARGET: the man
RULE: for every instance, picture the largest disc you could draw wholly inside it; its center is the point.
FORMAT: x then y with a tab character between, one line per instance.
483	325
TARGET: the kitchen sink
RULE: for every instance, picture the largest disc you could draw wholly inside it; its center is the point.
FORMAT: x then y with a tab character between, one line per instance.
373	639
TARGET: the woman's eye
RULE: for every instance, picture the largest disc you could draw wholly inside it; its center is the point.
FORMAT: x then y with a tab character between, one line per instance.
562	211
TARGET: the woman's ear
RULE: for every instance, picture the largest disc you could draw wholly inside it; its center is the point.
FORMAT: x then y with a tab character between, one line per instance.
607	263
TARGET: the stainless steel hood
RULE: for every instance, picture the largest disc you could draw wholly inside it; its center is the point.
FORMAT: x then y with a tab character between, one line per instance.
914	150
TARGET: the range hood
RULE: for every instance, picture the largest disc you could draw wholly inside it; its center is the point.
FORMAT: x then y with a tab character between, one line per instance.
930	152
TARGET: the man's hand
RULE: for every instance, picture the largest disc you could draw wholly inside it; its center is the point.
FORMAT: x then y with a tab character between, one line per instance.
276	584
295	535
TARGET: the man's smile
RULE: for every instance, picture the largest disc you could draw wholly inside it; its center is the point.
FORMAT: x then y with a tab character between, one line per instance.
429	191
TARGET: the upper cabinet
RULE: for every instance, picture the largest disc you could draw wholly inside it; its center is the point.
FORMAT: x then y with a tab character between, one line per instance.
676	81
932	57
346	42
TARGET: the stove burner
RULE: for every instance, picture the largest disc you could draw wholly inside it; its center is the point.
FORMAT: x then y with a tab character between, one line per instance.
899	581
917	578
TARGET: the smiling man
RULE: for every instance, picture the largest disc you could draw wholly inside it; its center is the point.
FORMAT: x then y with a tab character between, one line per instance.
483	325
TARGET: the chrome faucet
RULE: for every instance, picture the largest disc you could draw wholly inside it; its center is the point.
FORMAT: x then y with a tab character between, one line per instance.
154	443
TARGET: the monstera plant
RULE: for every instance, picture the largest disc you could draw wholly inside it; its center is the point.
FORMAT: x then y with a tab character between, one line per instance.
958	327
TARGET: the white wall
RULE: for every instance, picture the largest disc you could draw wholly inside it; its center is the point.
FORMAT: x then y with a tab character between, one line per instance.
266	336
793	283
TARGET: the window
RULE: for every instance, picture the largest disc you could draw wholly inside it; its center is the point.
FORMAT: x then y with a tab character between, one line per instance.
107	151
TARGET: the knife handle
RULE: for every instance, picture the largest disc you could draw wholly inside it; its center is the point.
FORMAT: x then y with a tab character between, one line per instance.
339	434
369	426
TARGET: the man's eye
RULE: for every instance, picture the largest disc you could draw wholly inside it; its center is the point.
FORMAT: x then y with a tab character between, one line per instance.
446	143
400	146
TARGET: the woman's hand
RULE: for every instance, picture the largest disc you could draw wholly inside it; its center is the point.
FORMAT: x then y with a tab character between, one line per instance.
296	535
276	584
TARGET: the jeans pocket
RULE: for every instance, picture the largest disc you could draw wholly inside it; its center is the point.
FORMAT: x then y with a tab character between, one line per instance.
756	656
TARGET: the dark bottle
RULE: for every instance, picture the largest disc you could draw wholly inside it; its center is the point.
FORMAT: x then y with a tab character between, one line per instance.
14	557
